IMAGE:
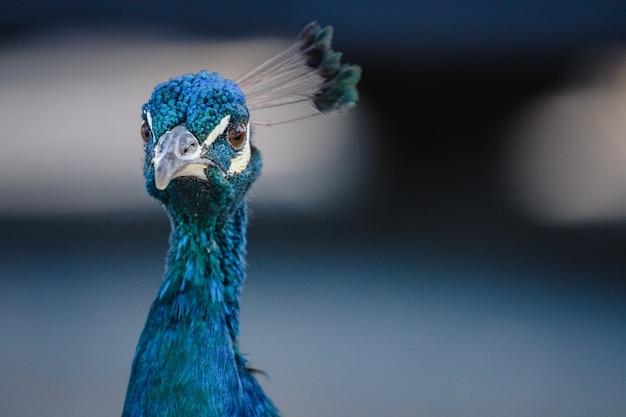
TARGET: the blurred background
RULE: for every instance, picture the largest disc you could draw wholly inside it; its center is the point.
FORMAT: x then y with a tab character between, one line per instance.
452	247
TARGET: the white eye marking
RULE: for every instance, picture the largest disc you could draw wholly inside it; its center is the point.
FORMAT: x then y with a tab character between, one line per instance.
217	130
149	119
241	161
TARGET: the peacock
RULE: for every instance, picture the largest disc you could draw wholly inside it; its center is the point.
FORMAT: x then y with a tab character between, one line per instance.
199	164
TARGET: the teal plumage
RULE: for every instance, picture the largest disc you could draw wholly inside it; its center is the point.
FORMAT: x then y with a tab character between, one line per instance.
339	91
199	164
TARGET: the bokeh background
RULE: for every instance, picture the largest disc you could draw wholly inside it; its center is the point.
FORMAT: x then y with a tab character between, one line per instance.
453	247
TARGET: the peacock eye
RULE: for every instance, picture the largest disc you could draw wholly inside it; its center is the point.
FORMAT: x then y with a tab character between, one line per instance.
145	131
237	136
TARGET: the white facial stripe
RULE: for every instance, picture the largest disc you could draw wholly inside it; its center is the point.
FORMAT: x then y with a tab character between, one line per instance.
241	161
218	130
149	119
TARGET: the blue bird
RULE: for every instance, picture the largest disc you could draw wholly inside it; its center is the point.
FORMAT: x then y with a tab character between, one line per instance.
200	164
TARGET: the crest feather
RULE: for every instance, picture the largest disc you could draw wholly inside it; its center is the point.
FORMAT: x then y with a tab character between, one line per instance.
309	70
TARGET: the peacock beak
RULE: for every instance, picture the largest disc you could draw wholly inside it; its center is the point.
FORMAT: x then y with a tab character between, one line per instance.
178	154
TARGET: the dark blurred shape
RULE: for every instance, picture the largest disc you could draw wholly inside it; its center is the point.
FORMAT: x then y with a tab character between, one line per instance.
453	28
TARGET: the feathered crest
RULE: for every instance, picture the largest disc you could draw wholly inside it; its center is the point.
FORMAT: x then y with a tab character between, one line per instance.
308	71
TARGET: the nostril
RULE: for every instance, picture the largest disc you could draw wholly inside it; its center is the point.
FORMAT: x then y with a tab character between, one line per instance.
189	148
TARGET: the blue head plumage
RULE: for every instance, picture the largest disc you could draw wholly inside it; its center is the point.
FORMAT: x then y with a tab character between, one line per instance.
196	128
200	163
198	100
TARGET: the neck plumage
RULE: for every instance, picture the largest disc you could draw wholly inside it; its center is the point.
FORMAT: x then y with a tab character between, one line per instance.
187	361
205	267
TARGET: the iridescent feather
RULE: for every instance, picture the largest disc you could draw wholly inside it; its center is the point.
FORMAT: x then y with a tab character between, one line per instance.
308	71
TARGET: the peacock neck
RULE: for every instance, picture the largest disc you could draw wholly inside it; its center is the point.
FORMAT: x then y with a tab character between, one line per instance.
187	361
205	266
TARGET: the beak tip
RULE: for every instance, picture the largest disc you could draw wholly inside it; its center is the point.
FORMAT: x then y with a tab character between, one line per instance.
161	177
160	187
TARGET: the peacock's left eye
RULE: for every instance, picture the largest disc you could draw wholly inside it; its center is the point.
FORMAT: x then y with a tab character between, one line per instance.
145	131
237	136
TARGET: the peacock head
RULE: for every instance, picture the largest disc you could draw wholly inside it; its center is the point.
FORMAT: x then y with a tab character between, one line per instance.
199	158
196	128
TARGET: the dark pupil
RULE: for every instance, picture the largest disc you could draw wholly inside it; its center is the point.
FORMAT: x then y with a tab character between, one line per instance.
145	131
237	136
